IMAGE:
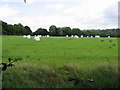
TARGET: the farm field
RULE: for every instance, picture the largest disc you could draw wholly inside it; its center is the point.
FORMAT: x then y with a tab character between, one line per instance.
60	62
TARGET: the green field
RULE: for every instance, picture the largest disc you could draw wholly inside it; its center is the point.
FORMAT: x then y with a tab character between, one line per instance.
53	61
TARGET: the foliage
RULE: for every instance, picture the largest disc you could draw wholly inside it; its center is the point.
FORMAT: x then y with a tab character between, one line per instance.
53	30
41	31
16	29
27	30
19	29
76	31
66	31
10	64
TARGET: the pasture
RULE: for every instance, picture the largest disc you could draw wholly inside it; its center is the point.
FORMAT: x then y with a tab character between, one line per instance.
60	62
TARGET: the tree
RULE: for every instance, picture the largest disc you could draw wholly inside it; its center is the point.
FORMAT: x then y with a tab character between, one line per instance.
16	29
27	30
4	28
10	30
66	31
76	31
53	31
60	32
41	31
19	29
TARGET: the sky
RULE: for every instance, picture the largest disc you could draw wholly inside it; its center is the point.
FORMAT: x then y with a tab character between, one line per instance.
82	14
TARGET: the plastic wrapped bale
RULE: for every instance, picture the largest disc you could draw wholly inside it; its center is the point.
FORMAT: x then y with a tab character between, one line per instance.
97	36
72	36
81	35
66	35
48	36
76	36
36	38
108	36
28	36
24	36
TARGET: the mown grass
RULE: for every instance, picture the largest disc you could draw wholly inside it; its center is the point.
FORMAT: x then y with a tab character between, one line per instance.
59	62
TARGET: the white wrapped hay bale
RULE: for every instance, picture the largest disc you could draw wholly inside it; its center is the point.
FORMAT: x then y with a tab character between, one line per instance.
108	36
81	35
72	36
76	36
36	38
48	36
66	35
24	36
97	36
38	35
28	36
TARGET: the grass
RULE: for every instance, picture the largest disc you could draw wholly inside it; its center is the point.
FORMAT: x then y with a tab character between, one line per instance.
51	62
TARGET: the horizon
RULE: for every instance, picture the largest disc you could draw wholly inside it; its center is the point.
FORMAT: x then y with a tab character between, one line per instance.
60	27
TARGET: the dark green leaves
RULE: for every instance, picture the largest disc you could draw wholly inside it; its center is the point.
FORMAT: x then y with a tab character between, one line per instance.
10	64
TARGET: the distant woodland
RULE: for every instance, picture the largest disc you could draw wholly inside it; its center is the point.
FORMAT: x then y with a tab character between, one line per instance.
19	29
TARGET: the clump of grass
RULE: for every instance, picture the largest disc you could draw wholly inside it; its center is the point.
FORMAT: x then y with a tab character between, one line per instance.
102	40
103	77
110	40
110	47
69	39
27	56
113	44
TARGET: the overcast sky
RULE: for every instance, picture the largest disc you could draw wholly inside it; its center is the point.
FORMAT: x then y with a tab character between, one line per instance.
83	14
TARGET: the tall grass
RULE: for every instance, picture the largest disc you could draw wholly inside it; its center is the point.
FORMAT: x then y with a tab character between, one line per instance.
68	76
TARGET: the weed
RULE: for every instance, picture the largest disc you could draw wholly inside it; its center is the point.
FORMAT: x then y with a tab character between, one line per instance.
113	44
10	64
102	40
110	40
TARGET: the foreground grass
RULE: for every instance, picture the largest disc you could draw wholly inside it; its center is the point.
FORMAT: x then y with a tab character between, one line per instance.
59	62
70	76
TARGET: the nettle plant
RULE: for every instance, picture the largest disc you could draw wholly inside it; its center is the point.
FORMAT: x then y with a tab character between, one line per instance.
10	63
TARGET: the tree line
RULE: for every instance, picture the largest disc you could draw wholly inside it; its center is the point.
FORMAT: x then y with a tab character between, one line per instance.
19	29
16	29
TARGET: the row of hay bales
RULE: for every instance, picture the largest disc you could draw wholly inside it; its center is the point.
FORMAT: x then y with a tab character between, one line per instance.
37	37
75	36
